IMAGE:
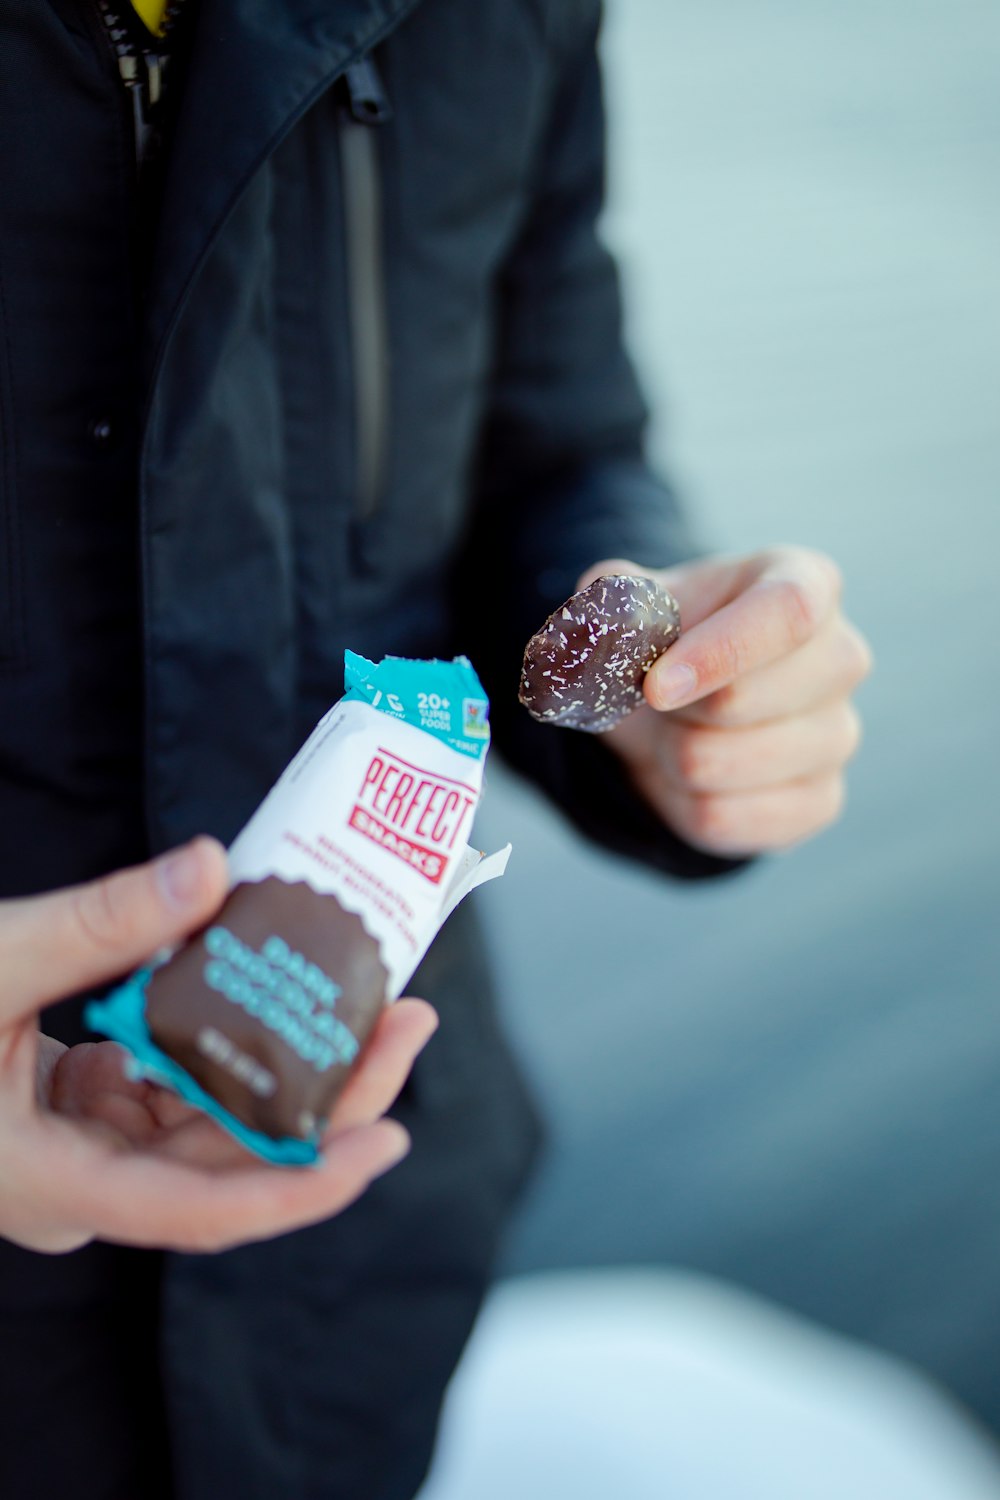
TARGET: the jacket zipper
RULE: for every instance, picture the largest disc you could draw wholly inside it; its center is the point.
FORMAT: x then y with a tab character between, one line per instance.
140	66
365	106
123	62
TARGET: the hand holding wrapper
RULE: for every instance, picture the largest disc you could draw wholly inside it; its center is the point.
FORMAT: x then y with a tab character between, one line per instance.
342	878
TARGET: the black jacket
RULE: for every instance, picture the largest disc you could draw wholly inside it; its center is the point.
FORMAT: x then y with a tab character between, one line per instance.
191	399
343	369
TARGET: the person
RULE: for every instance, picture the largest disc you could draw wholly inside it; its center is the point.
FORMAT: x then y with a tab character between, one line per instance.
310	341
85	1151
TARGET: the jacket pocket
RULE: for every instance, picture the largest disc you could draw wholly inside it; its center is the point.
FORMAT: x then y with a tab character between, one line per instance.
11	627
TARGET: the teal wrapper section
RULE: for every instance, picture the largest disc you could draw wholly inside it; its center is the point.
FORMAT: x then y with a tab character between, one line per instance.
122	1017
443	698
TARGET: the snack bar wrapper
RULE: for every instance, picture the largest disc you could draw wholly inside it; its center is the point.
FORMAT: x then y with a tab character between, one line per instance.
339	883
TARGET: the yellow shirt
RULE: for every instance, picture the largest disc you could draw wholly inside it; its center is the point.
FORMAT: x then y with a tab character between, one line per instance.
151	12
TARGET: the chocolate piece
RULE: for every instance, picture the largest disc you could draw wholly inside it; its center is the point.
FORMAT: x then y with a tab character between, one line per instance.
584	669
269	1006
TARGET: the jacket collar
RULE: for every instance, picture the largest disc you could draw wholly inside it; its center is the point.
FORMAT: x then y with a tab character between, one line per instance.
254	68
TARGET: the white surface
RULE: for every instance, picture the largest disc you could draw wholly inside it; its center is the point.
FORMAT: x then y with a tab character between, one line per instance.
650	1386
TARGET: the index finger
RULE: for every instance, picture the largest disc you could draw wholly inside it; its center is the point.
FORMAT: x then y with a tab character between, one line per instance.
775	609
400	1034
402	1031
141	1199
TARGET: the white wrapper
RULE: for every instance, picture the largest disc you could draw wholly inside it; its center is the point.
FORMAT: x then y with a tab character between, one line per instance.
374	812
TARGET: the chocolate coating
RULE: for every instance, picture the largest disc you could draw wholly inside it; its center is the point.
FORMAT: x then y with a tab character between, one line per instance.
584	669
268	1007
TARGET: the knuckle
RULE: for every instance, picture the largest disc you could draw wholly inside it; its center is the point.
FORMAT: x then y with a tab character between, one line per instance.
206	1239
852	731
831	800
692	758
800	608
59	1241
727	660
819	566
710	821
100	918
726	707
825	565
807	586
817	807
859	655
822	809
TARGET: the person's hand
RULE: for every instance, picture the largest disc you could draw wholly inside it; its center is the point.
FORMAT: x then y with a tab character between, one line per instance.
741	744
85	1152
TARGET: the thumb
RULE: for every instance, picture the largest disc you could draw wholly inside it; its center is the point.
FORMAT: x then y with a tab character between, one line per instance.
612	567
65	941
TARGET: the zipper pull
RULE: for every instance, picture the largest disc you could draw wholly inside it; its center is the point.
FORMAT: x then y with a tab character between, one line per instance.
366	97
136	84
140	120
128	67
154	79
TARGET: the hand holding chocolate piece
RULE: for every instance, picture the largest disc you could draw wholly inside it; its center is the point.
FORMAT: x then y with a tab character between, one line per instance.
747	725
584	669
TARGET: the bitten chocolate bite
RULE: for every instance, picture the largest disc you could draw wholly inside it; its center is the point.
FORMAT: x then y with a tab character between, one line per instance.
584	669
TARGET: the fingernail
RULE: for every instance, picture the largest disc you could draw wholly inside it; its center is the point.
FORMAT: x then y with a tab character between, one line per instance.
400	1147
430	1018
674	685
181	876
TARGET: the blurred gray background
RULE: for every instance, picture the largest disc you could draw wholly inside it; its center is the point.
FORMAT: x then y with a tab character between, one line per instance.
792	1079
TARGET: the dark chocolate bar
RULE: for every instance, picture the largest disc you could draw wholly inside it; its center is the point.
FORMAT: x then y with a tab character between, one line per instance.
269	1007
